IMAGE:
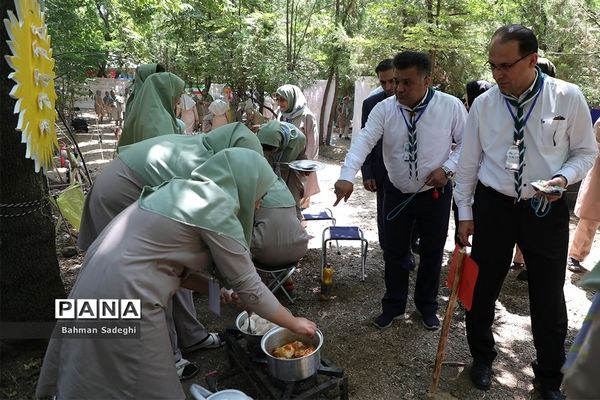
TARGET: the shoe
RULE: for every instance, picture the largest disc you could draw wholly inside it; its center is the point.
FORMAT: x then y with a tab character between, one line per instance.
481	375
522	276
547	393
212	341
186	369
431	322
574	265
385	320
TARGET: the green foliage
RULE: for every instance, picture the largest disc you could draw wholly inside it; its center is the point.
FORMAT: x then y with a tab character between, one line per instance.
260	44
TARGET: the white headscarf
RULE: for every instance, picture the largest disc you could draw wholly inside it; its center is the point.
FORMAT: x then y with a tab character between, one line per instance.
218	107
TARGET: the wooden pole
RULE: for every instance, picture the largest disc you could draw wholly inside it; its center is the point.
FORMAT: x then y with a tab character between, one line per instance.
439	357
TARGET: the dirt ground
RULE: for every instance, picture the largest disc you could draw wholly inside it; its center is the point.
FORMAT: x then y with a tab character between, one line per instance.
395	363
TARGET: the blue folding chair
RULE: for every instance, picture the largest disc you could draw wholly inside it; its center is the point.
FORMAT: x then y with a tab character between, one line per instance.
344	233
318	215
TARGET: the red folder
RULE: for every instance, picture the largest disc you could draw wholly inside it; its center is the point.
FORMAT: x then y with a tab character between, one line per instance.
468	277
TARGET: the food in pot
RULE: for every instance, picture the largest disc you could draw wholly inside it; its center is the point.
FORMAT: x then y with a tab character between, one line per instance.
260	326
295	349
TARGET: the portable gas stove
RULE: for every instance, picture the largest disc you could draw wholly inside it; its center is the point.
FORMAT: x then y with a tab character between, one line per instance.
251	362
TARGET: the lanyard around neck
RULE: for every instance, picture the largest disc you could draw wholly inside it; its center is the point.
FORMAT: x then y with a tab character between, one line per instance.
530	109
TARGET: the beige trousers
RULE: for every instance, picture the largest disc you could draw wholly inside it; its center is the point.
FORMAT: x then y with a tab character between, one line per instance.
583	239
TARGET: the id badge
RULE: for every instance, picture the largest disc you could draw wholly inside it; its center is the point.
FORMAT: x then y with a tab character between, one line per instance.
512	158
406	152
214	296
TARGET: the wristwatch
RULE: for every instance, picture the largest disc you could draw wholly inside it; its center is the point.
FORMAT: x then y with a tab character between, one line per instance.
449	173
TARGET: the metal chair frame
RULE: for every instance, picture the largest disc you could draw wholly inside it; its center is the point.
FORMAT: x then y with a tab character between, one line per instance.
344	233
279	276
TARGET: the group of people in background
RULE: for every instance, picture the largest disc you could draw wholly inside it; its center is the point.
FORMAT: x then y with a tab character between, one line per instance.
110	107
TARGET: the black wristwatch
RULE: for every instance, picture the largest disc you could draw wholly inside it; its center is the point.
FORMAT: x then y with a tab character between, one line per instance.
449	173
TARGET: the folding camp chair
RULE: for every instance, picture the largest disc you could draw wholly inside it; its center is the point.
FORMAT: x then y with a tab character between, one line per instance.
344	233
279	276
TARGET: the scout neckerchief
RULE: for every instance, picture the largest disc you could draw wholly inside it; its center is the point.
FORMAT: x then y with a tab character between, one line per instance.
520	122
411	148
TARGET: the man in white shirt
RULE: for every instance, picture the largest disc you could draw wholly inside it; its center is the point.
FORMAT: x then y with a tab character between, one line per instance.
529	127
417	127
373	169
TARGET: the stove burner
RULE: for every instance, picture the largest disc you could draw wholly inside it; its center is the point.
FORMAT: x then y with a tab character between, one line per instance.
252	364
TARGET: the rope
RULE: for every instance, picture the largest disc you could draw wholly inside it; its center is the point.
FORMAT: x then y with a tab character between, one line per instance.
38	204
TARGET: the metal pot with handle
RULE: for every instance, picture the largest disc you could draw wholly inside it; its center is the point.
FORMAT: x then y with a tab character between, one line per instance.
295	369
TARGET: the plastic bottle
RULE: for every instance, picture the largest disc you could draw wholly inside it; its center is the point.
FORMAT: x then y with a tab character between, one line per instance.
326	282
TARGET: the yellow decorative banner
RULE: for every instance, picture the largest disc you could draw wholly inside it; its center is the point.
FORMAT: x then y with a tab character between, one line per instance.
33	68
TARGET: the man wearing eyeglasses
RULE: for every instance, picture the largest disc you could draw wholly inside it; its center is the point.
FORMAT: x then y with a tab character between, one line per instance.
529	127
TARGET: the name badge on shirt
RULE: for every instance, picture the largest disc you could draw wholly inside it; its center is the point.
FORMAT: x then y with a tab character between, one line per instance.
512	158
406	152
214	296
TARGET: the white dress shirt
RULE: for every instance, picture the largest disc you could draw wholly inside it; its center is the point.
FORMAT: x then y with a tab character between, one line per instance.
558	141
442	121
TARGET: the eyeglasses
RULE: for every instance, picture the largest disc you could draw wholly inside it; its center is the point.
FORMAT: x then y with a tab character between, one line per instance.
505	67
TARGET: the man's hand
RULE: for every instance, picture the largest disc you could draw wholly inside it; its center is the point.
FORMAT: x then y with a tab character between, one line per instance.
465	229
437	178
342	190
558	181
370	185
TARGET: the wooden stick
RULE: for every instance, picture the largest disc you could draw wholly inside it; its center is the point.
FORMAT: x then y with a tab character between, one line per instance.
439	357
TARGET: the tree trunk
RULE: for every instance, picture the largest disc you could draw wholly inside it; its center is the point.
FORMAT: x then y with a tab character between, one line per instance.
336	82
325	135
29	273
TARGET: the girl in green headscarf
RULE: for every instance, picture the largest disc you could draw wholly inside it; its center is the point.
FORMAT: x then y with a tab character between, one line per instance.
180	234
293	109
278	238
150	163
141	73
153	112
282	142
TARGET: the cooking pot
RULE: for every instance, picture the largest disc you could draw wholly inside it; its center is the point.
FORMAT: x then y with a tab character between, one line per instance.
295	369
200	393
253	339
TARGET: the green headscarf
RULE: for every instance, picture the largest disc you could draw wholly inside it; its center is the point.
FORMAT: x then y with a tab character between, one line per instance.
141	73
162	158
278	196
230	135
296	101
285	137
153	112
219	197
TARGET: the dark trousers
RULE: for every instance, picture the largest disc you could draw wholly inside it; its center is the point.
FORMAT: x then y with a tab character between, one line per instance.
379	172
499	224
430	217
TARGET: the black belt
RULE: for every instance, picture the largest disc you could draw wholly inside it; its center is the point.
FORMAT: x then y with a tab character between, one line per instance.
501	196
